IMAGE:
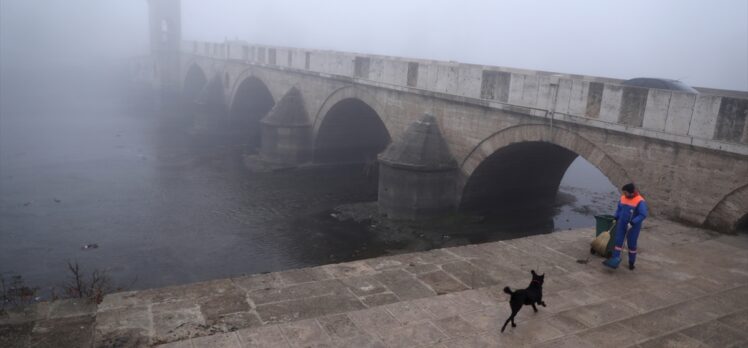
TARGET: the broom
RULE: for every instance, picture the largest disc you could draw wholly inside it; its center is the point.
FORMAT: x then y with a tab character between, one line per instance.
600	243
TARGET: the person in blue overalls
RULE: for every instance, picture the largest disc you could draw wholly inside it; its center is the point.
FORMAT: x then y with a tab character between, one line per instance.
632	210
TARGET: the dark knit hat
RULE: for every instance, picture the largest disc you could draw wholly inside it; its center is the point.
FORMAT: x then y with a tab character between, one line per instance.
629	188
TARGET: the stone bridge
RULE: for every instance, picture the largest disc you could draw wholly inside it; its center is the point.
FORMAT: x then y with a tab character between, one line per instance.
452	136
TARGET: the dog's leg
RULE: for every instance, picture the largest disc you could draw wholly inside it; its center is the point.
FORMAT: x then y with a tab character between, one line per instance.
534	308
542	303
511	317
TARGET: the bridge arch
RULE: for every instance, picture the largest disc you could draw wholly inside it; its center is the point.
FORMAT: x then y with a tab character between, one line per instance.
194	81
731	213
528	160
249	103
350	126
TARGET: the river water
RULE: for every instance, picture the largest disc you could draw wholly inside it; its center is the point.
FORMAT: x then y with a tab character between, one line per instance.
166	203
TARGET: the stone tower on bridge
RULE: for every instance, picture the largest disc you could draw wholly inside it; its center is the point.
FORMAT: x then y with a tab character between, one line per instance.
165	21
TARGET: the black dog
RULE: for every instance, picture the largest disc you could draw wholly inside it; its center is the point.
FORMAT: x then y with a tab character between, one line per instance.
530	296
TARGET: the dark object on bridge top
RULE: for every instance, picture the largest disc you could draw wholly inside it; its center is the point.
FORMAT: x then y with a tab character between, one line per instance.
650	82
289	111
421	148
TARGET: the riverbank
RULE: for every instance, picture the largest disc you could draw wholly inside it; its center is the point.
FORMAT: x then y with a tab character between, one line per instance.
690	288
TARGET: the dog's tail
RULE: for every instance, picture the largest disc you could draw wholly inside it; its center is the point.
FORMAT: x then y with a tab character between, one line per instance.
508	290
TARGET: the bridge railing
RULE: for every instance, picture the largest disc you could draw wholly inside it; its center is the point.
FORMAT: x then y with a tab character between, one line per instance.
712	117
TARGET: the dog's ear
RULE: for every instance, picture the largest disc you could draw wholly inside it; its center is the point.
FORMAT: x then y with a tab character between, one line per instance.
533	272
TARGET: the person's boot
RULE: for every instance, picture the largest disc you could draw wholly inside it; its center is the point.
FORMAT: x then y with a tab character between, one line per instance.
631	267
612	262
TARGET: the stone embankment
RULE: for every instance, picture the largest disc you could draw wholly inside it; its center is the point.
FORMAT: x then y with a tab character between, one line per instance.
690	289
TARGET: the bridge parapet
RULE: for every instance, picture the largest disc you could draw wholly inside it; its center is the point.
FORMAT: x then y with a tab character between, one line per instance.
706	120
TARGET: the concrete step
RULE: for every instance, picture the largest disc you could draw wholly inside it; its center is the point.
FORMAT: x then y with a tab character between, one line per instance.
690	288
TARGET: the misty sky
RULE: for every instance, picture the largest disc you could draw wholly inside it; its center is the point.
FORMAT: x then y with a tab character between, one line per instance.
703	43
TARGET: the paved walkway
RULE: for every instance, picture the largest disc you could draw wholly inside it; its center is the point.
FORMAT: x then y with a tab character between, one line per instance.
690	289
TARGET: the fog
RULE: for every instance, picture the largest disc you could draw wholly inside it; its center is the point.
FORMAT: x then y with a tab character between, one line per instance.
703	43
167	199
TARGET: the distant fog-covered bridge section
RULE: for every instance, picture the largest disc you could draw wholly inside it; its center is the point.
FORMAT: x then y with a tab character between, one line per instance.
451	136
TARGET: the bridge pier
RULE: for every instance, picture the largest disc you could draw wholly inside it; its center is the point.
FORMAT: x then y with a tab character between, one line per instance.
417	175
286	132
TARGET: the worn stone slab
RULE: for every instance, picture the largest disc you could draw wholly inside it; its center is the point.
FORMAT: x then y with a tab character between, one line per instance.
601	313
571	341
436	256
489	319
672	340
558	303
469	275
123	318
295	292
23	314
716	334
455	326
340	326
653	324
478	341
222	340
71	308
121	300
374	320
611	335
258	282
565	324
407	312
479	298
123	337
234	321
173	321
262	337
404	285
187	292
529	332
363	341
421	268
390	262
414	335
441	282
214	307
737	320
310	307
443	306
177	344
502	273
304	275
379	299
349	269
63	332
364	286
305	333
